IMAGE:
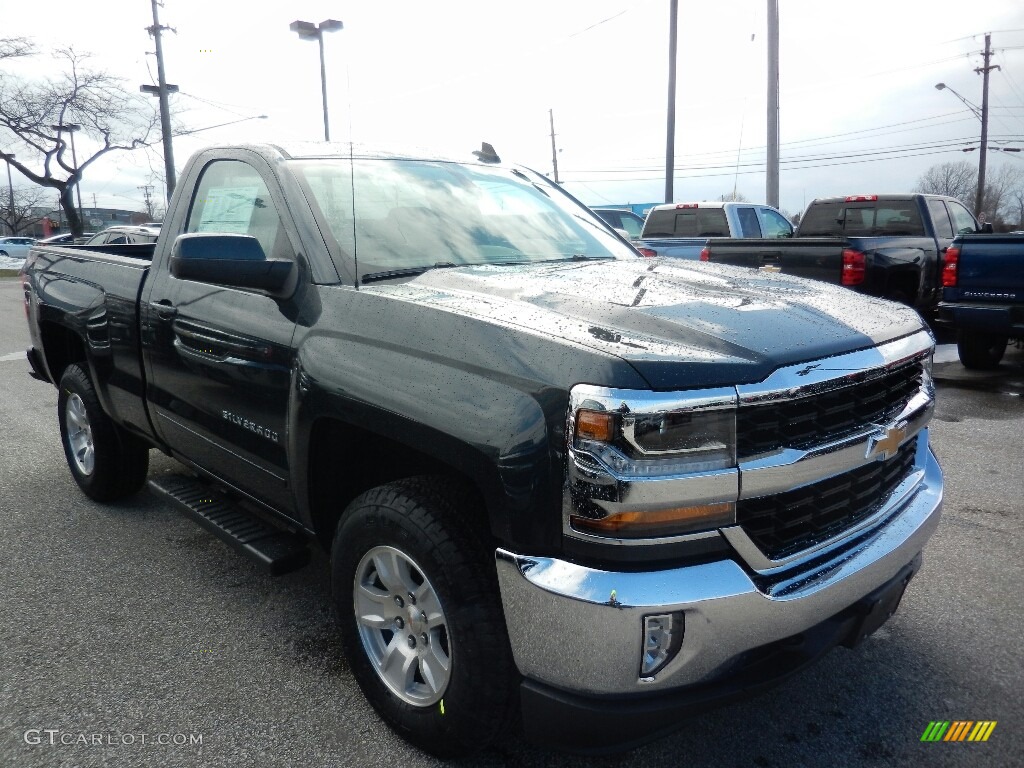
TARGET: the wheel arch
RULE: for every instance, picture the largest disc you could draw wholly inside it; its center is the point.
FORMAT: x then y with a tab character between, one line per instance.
61	347
344	460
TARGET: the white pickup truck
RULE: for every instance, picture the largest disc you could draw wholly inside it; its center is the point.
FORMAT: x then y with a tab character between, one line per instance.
681	230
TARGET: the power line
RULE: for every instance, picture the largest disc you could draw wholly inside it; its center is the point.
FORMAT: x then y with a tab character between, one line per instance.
949	143
598	24
747	173
821	139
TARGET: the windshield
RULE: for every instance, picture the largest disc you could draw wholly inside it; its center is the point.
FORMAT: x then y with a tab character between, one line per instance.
412	215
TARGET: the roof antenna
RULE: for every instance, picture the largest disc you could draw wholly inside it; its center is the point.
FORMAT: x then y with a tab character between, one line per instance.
486	153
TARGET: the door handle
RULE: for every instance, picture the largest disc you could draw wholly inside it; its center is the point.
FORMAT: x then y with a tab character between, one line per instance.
164	309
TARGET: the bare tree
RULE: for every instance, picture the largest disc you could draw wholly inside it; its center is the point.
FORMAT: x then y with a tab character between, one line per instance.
26	209
15	47
958	180
35	114
1000	185
733	197
1017	199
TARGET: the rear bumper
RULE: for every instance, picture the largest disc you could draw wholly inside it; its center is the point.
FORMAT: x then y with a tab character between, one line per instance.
576	632
1002	319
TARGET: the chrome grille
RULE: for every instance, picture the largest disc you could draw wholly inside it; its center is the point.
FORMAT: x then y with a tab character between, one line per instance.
786	523
820	418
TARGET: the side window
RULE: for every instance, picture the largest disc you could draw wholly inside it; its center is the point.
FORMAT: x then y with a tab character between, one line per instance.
631	225
775	224
117	239
232	197
940	218
749	226
963	222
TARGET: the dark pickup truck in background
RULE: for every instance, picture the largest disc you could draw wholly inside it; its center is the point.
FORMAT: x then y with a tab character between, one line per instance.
983	296
552	476
881	245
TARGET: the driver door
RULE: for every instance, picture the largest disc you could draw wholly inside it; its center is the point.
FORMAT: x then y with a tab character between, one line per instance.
219	358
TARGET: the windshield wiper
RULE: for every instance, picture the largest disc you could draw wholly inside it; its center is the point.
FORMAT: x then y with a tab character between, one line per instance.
407	271
536	186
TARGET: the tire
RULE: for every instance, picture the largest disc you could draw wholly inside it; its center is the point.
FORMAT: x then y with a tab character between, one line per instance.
979	350
3	253
455	693
107	463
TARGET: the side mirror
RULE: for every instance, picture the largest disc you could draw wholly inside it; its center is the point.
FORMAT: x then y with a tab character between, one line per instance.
228	259
986	228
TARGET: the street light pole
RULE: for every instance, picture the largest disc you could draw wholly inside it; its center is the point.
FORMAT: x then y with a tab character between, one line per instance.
307	30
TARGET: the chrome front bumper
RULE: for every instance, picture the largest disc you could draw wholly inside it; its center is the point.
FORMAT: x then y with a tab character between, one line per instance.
580	629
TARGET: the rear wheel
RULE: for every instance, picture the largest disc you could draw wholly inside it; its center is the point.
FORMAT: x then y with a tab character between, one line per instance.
980	350
106	462
421	617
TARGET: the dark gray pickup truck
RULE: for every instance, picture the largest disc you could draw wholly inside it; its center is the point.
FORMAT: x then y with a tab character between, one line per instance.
881	245
554	478
983	296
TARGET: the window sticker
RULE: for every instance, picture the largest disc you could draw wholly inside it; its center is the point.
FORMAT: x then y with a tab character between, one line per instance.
228	209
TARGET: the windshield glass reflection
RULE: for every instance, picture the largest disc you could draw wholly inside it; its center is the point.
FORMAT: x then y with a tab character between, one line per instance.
404	216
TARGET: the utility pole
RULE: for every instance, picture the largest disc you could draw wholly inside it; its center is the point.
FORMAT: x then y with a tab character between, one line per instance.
145	193
979	201
162	90
554	151
670	140
772	178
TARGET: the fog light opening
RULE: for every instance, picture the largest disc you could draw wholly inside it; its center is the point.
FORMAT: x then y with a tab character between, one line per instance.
662	639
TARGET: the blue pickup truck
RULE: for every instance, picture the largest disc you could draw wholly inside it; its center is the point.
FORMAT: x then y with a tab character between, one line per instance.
682	230
983	296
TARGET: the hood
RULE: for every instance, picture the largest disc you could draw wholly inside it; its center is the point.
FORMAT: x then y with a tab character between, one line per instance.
681	325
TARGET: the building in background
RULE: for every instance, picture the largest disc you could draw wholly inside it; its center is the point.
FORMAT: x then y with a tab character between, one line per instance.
51	222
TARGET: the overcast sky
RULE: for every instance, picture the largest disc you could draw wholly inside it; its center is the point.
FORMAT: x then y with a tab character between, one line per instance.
859	111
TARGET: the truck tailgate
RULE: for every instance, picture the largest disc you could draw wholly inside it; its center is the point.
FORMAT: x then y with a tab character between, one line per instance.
812	257
990	268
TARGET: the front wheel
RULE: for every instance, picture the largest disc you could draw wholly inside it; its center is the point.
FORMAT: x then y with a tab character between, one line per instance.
980	350
106	462
421	617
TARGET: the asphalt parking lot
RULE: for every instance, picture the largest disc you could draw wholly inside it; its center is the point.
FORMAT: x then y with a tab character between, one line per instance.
129	623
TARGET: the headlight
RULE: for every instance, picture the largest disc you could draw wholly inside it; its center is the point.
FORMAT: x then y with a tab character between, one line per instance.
684	444
690	437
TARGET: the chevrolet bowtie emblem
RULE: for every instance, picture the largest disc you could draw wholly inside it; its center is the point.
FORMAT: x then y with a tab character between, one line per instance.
884	443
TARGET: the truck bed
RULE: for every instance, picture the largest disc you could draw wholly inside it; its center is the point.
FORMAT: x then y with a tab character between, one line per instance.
92	293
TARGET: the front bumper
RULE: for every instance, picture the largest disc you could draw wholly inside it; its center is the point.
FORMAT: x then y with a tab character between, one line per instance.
577	631
591	724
